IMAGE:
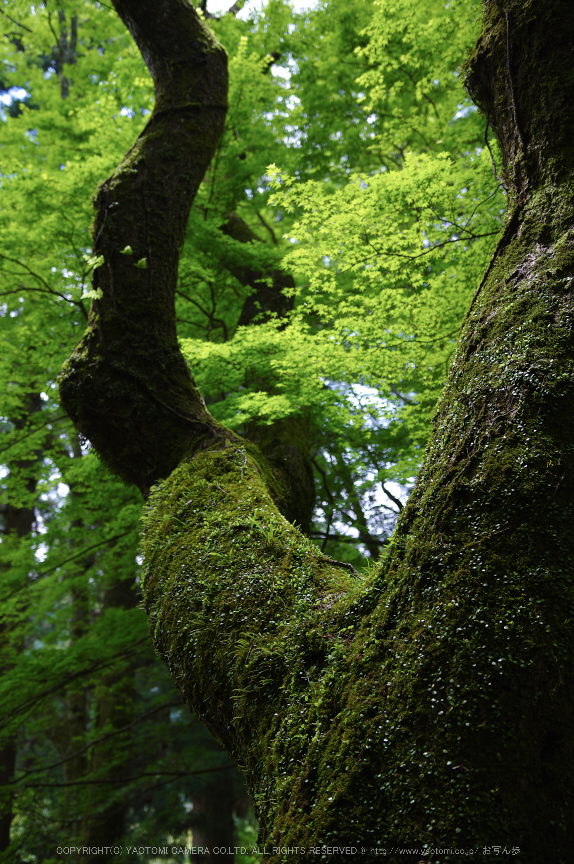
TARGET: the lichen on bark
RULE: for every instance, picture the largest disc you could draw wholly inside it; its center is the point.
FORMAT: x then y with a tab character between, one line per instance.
430	703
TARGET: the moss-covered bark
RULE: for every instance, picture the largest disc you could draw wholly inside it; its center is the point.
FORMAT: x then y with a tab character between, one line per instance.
126	386
431	703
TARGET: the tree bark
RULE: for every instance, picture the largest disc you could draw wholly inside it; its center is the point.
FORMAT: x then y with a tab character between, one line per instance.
212	820
432	703
141	215
104	821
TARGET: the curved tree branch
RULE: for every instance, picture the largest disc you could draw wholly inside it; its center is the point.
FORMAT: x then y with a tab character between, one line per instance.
126	386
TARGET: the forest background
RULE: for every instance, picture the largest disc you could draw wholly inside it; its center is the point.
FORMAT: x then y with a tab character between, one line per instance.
331	253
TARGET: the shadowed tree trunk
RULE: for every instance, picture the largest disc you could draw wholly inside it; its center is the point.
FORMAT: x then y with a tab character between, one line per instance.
432	703
212	822
18	522
104	821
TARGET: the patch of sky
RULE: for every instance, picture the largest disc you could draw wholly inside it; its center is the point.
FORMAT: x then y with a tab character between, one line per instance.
378	411
54	497
464	110
280	72
13	93
41	550
57	491
220	7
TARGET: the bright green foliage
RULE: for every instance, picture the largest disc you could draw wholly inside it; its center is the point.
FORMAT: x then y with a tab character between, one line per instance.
412	85
386	260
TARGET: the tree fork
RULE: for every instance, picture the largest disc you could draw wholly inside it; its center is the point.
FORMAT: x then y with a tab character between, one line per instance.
431	703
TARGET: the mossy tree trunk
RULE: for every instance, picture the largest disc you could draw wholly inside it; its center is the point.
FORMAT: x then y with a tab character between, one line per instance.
432	703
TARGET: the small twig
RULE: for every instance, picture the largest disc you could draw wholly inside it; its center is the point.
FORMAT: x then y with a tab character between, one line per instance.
225	492
339	564
47	287
402	396
33	432
29	702
325	484
392	497
420	254
267	227
122	780
490	151
244	454
17	23
341	538
95	741
513	103
82	553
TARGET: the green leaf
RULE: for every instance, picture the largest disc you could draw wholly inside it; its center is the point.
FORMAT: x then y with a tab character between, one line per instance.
93	294
93	261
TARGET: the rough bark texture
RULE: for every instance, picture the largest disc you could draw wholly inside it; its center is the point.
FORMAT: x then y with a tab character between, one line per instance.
141	415
431	704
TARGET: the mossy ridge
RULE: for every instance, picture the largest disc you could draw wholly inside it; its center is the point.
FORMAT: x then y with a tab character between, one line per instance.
236	574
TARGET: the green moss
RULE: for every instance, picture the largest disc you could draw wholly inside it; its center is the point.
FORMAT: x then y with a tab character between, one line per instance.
411	705
432	702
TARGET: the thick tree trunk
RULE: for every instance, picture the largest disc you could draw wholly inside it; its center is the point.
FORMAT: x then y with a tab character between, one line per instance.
141	216
431	704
